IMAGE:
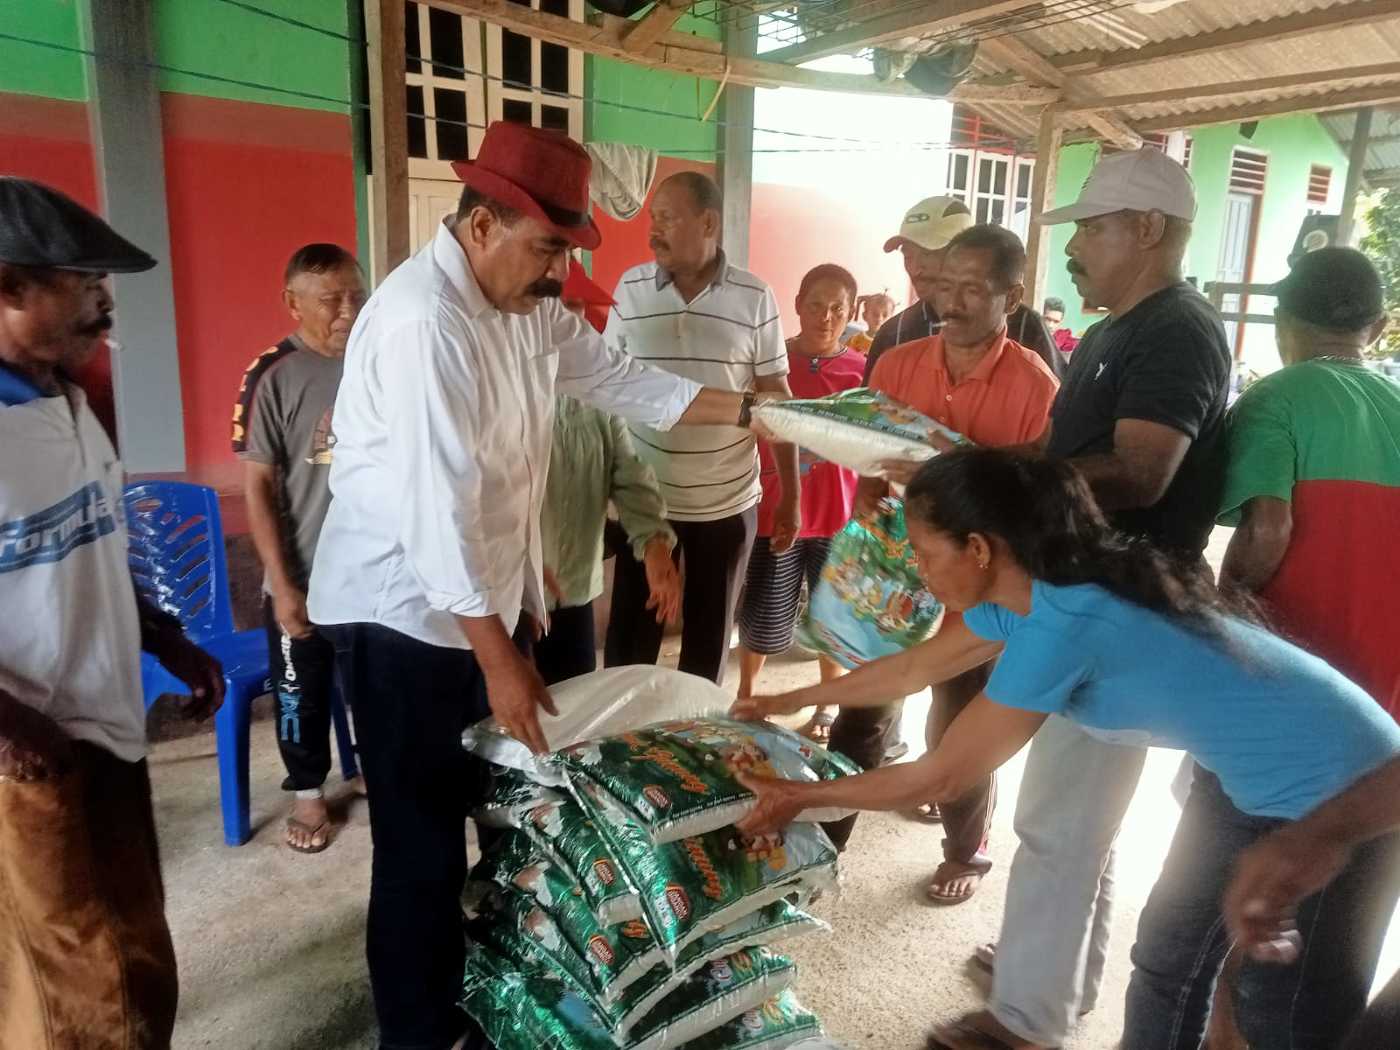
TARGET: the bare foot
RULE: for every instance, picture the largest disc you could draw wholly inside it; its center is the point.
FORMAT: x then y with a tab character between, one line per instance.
818	727
308	826
979	1031
954	882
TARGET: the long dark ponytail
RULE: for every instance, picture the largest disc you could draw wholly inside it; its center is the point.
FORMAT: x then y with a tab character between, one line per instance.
1044	512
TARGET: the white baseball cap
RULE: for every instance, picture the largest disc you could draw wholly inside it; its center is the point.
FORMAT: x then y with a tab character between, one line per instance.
932	223
1144	179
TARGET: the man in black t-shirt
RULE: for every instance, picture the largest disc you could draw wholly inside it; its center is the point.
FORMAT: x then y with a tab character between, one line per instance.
1141	414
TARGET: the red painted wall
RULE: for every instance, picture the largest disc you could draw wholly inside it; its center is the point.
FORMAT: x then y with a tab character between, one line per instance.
246	186
625	243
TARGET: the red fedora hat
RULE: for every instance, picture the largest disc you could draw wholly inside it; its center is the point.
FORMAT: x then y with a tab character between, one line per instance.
539	172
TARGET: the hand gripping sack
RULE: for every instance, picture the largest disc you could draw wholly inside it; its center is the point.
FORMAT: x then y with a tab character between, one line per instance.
857	429
677	779
870	601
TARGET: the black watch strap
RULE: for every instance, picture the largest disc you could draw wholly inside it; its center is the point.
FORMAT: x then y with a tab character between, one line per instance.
746	410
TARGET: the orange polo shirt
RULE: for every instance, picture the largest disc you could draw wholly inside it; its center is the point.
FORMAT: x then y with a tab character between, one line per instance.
1004	401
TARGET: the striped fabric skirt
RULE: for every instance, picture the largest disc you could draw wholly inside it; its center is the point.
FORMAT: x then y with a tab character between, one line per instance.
773	592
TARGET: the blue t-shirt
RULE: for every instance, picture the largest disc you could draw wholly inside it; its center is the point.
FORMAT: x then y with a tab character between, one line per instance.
1281	729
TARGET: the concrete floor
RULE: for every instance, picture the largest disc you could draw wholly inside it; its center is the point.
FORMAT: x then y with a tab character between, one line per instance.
271	951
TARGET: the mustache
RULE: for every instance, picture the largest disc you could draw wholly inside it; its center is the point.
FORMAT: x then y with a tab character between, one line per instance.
97	327
546	288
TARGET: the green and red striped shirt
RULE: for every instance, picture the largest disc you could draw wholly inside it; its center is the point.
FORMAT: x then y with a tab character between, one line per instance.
1324	435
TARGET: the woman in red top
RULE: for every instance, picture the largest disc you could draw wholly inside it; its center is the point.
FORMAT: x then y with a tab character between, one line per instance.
817	365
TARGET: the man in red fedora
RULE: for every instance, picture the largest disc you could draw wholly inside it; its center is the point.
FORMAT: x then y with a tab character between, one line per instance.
431	554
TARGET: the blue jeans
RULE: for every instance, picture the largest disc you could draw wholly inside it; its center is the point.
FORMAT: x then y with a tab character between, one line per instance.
1182	940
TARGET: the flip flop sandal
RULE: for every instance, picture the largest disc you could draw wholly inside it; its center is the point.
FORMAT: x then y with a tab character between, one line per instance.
821	721
969	1037
297	825
985	956
928	813
947	899
897	752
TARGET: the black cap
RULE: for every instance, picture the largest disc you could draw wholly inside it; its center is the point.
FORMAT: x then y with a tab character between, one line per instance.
1335	288
41	227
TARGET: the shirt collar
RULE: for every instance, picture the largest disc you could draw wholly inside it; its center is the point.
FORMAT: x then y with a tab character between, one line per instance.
452	260
663	276
985	367
15	389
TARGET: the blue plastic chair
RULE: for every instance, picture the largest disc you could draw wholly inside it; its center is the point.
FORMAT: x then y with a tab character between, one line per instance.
179	564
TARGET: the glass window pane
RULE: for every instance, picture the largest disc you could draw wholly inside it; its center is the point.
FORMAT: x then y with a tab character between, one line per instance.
446	30
983	209
555	7
556	117
554	68
515	58
960	166
417	126
999	176
451	123
998	211
1024	172
411	44
984	175
516	112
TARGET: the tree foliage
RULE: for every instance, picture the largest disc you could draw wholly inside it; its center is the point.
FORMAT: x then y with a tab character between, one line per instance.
1382	244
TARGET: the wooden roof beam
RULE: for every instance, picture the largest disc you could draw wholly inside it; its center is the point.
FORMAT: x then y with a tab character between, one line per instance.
1378	94
1269	31
608	38
1036	68
652	26
873	30
1235	88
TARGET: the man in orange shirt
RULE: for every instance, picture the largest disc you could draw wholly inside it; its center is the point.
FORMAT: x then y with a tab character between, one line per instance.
972	378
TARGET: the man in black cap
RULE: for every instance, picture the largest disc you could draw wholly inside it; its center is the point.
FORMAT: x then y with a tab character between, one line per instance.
85	953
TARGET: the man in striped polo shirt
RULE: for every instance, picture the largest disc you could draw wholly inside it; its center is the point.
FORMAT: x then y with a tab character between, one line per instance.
692	313
1314	476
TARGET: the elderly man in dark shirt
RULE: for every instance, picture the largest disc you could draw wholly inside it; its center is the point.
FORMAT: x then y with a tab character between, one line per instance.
923	239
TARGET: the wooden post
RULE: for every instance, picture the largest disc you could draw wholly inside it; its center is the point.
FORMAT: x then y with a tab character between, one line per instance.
735	140
1047	167
388	124
1356	168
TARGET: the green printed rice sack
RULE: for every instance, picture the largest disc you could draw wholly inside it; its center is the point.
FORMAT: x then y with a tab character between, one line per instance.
602	959
677	779
779	1023
857	429
566	833
521	1011
511	798
705	882
870	601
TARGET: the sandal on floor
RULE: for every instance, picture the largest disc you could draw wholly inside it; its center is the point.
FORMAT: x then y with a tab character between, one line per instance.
967	872
984	956
928	813
323	828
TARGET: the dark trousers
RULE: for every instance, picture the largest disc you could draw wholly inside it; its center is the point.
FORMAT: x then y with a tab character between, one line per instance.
570	648
967	820
85	953
715	555
303	675
862	734
411	702
1181	942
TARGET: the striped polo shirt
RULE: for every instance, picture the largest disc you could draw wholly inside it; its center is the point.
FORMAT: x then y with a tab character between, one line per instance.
726	337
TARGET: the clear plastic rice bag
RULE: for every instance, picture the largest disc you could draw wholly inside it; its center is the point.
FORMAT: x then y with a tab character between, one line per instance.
512	796
677	779
520	1010
870	601
596	705
705	882
857	429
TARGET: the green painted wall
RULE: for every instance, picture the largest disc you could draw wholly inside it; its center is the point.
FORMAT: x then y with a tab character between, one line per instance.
30	69
1293	145
236	44
679	101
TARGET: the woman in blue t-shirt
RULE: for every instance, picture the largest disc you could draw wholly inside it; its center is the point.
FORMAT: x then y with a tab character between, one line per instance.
1107	632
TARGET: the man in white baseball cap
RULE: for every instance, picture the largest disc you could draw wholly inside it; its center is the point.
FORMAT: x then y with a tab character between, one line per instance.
923	238
1141	414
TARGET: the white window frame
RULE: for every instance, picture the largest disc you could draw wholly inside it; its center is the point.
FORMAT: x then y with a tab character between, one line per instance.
973	196
485	91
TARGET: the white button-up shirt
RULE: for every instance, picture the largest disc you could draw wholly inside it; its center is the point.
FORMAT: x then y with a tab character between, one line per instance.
443	426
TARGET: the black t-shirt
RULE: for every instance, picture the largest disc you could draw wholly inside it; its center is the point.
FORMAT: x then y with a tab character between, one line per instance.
1165	361
920	321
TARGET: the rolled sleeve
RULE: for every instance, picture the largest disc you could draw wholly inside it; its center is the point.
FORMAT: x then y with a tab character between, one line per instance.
609	379
433	405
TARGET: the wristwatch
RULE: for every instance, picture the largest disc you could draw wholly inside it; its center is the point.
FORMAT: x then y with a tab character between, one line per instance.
746	410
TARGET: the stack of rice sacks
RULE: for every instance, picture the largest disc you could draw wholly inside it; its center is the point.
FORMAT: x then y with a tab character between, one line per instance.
619	909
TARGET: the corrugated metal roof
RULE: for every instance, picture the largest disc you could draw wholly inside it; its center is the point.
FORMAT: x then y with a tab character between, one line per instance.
1383	156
